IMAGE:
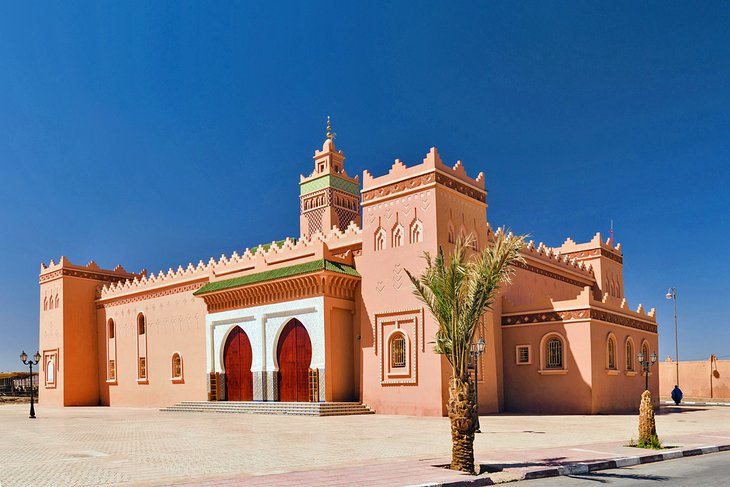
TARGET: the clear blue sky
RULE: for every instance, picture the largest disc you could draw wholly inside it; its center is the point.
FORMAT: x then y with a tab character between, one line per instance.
155	133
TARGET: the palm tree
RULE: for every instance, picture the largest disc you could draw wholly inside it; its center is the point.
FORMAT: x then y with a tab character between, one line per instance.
457	290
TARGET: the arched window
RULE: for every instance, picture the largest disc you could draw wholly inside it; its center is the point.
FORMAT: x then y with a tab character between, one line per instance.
645	351
398	236
629	355
111	328
57	302
141	348
451	237
416	231
554	353
398	351
177	370
380	239
141	325
49	372
611	353
45	304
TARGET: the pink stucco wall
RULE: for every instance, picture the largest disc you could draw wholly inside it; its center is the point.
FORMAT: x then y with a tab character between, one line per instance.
175	324
705	379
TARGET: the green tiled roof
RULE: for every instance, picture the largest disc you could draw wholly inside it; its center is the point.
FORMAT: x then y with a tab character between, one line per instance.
292	270
329	180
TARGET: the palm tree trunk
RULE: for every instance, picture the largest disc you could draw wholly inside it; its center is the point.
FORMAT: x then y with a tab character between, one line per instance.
462	413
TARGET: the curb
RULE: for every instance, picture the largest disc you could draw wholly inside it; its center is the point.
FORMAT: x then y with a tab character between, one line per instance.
695	403
586	467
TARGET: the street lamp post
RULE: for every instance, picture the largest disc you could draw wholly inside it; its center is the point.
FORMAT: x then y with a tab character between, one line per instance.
672	294
650	360
31	363
476	350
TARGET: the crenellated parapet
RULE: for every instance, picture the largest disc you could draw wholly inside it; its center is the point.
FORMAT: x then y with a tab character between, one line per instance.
54	270
402	179
584	307
336	245
594	248
550	262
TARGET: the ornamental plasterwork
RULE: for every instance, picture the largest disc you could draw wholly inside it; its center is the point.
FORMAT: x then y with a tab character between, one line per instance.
397	276
580	314
422	180
298	287
410	322
595	253
81	274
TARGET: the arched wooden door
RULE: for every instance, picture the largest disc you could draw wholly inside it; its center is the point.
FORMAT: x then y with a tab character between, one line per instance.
237	357
294	354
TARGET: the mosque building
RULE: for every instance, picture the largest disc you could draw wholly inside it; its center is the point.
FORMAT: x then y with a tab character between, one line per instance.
329	316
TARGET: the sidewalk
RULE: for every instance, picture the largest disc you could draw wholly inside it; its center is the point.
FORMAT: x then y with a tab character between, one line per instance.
499	467
96	446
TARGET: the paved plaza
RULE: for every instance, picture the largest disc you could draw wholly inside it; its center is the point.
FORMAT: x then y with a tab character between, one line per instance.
109	446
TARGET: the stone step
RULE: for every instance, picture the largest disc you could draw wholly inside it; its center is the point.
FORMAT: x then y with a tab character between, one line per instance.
264	407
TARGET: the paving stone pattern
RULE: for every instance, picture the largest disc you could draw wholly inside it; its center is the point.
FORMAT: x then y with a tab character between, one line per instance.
109	446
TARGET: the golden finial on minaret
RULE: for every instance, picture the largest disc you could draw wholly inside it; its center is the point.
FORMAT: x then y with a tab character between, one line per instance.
330	135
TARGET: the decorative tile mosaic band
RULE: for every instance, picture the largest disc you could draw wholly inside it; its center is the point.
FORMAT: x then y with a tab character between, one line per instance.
579	314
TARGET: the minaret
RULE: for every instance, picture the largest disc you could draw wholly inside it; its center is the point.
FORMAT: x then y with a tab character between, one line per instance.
328	197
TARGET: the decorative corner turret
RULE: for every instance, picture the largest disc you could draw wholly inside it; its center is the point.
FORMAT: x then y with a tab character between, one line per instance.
605	257
328	197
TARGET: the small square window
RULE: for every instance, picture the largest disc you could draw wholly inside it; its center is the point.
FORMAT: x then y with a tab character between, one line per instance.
523	354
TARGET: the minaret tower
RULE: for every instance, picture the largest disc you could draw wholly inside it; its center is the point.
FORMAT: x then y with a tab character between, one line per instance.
328	197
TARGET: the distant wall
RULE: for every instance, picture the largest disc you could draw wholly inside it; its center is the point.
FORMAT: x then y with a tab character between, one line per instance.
707	379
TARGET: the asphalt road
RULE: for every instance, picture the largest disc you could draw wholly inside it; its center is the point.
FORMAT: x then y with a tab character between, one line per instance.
705	470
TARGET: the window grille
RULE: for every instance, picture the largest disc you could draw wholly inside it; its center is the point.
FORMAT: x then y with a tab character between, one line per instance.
611	354
141	326
142	367
176	366
523	355
313	385
629	356
554	354
398	351
112	370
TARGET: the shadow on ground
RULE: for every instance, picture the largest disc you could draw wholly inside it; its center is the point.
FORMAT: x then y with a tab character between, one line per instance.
605	477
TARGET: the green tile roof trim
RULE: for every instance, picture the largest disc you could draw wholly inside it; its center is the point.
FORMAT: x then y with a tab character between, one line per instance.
292	270
329	180
267	246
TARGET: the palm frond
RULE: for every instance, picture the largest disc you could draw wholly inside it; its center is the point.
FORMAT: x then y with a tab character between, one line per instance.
458	289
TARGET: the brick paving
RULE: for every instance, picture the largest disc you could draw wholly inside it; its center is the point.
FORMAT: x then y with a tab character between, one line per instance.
111	446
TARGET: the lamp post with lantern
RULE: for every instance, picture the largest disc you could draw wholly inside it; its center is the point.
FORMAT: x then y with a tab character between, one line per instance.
645	363
672	294
476	350
31	363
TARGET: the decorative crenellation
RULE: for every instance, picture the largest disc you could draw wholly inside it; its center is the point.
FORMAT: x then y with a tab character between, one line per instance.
64	267
403	178
340	244
622	303
551	255
188	288
595	247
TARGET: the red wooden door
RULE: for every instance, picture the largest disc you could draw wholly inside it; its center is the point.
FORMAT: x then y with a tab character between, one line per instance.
294	355
237	357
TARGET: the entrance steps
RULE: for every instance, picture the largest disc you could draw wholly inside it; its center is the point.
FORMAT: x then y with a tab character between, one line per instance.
272	407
